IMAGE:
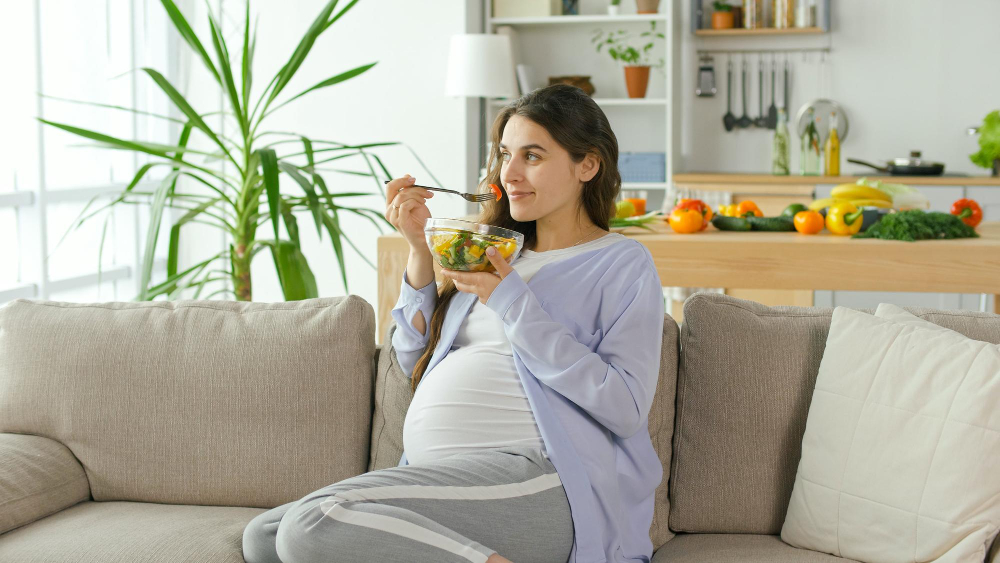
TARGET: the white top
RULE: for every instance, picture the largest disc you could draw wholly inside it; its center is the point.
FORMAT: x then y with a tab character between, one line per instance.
473	399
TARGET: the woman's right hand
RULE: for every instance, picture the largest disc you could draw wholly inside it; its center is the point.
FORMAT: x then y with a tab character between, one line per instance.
406	209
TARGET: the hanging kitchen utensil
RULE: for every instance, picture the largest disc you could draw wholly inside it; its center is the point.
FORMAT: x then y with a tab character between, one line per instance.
706	77
912	166
772	112
822	108
787	85
761	119
744	121
729	120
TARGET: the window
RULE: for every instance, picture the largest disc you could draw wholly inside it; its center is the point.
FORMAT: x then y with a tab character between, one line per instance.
80	51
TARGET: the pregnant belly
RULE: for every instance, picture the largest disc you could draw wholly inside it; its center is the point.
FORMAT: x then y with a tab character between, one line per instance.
470	401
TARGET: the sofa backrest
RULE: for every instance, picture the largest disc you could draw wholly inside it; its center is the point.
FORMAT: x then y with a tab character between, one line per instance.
194	402
393	395
745	382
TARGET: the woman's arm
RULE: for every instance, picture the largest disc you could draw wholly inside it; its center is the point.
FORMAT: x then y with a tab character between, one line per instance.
615	384
413	310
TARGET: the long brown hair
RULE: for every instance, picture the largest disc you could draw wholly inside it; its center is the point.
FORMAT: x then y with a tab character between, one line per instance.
579	126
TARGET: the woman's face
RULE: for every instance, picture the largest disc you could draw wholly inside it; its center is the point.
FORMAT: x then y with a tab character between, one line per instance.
539	176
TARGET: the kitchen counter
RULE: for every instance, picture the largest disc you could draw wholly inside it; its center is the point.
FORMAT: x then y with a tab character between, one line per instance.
793	179
783	261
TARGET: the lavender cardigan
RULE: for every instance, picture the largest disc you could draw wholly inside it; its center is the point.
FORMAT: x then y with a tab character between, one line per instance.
586	334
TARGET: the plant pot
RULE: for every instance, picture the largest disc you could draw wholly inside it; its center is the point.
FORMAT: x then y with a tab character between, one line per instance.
723	20
636	80
612	9
647	6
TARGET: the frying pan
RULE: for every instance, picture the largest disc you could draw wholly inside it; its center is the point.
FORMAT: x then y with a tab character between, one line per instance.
912	166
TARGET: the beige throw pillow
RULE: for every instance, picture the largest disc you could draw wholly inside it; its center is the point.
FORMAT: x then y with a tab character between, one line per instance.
901	451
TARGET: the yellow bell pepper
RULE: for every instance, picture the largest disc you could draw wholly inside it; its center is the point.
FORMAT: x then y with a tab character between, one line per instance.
843	218
476	251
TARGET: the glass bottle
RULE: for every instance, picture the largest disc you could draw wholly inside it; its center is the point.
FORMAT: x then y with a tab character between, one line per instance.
780	148
753	16
784	13
831	150
812	159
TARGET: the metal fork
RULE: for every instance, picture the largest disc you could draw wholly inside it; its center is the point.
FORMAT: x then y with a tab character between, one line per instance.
475	198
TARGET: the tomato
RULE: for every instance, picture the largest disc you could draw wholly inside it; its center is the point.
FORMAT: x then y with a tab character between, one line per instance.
808	222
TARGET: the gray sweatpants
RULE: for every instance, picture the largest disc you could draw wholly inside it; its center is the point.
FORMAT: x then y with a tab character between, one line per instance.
459	509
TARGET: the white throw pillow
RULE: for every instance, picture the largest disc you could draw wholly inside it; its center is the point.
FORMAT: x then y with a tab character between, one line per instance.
901	453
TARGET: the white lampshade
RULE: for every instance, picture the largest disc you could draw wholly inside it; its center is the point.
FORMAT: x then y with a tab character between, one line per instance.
480	65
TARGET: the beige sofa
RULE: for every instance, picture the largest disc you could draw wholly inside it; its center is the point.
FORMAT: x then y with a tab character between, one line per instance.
134	432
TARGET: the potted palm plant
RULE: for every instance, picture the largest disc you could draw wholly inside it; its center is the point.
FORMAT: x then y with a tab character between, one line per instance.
633	51
234	186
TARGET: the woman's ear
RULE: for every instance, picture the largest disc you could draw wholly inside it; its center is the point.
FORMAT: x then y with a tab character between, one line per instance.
588	167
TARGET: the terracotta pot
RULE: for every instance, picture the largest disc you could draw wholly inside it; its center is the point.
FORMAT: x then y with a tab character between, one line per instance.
723	20
647	6
581	82
636	80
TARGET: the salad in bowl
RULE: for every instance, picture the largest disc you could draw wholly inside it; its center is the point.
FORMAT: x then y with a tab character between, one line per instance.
461	245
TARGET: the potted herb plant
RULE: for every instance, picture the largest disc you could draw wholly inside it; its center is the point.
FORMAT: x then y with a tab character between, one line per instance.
613	7
723	16
989	143
633	51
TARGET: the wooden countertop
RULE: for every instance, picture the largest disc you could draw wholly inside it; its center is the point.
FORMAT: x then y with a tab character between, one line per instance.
794	179
782	261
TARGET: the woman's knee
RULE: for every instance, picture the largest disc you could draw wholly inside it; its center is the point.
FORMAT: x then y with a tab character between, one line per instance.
259	539
298	537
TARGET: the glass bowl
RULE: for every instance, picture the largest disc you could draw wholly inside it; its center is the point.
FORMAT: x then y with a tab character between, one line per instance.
461	245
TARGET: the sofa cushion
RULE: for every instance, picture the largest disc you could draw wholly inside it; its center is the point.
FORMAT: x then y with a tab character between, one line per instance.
736	548
38	477
745	381
392	398
194	402
126	532
903	419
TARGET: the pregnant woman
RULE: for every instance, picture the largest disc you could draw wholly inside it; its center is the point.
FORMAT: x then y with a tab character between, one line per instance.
527	437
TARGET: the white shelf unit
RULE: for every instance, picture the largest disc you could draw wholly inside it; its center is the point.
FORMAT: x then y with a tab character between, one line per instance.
561	45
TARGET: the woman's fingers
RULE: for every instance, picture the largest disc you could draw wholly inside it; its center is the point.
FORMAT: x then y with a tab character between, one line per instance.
393	187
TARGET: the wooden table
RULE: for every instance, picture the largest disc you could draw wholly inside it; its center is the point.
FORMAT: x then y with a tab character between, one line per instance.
763	260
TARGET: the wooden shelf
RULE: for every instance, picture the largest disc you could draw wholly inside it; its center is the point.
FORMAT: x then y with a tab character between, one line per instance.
563	20
605	102
770	31
794	179
644	185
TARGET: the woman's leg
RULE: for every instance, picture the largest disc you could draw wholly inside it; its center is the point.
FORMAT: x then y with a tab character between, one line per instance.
259	536
461	509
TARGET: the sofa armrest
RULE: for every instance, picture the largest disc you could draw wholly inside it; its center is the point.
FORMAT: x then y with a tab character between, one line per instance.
38	477
994	555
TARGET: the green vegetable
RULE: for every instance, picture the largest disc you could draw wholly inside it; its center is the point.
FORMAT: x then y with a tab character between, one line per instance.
778	224
916	225
639	221
792	209
724	223
989	141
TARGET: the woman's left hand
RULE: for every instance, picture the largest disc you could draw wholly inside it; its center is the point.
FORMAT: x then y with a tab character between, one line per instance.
481	283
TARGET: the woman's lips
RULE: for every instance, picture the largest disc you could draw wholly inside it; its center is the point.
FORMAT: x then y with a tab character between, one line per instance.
517	196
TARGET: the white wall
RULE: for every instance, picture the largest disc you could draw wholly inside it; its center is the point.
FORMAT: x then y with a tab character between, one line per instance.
910	75
400	99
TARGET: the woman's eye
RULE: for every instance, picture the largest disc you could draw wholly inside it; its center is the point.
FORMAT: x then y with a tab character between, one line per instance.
532	155
505	156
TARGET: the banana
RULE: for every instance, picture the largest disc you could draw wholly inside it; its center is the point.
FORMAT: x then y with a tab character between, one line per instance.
854	191
871	203
826	202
